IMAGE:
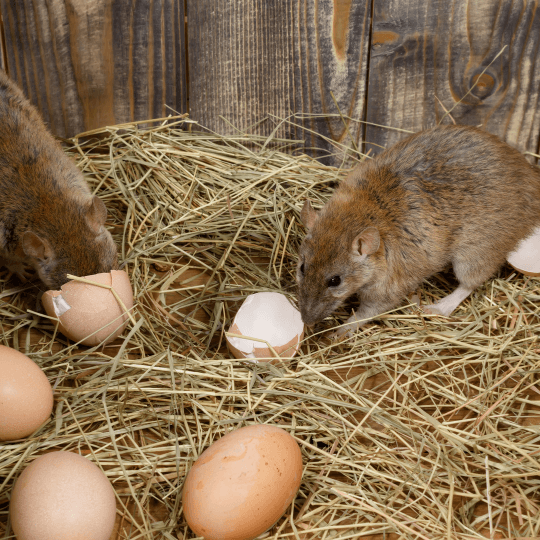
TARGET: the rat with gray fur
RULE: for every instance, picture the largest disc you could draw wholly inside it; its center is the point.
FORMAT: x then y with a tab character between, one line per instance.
49	220
450	195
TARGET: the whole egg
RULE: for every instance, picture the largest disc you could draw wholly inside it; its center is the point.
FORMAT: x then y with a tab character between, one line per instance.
243	483
26	396
62	496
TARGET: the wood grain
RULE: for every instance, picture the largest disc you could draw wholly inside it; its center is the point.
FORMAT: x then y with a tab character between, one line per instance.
249	59
90	64
427	56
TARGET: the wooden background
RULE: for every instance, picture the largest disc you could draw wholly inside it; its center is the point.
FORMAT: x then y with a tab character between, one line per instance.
245	64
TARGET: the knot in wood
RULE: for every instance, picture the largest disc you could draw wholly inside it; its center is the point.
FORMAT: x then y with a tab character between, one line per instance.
482	84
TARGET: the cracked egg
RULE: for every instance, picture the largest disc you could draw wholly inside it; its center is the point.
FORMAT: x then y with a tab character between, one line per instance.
91	313
269	318
526	257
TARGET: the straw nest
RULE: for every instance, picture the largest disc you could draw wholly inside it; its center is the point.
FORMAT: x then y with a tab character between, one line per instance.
416	427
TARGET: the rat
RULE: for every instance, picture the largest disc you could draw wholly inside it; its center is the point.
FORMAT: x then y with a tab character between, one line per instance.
449	195
49	219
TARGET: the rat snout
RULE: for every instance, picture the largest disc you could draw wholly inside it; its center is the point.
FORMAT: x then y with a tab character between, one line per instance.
308	318
309	315
308	322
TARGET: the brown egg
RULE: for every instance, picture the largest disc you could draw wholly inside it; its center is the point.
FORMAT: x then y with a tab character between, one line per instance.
62	496
26	396
526	257
243	483
88	313
270	317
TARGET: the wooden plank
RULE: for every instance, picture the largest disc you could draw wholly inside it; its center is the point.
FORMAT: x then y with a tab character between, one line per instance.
249	59
427	55
90	64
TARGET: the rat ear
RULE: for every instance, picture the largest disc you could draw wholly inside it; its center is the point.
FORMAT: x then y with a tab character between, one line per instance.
367	242
308	215
97	214
36	247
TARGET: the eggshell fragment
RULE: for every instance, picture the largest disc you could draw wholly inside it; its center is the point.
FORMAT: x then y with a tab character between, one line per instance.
26	396
270	317
88	313
62	496
526	257
243	483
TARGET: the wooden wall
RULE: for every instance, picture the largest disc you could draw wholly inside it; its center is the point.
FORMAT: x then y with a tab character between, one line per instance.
245	64
86	64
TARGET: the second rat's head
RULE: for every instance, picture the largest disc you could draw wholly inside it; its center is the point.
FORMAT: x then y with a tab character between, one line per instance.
76	243
335	261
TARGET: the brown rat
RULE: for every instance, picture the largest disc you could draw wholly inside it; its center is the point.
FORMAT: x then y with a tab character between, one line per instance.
448	195
49	219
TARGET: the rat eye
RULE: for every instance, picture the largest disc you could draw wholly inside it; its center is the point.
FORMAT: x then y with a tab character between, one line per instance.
334	281
302	268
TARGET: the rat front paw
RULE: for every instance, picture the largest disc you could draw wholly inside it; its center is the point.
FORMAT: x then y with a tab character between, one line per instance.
21	270
341	333
347	330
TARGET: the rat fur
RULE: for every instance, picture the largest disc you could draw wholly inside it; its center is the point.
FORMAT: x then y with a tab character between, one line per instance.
49	220
450	195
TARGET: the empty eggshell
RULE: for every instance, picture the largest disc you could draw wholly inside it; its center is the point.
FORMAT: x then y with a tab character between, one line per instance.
526	257
270	317
88	313
62	496
243	483
26	396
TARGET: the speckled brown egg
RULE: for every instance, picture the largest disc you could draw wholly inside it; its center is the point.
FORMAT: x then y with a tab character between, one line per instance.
26	396
91	314
243	483
62	496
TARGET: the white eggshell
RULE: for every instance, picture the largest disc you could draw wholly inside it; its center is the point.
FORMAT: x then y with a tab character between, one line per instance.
270	317
88	313
526	257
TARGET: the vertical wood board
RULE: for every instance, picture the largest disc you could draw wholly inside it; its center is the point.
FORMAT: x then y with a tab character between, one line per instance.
90	64
253	59
439	55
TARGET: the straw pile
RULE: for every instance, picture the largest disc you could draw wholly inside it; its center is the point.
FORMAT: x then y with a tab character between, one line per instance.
416	427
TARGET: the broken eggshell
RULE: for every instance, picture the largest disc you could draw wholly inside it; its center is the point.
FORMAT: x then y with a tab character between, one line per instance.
526	257
270	317
90	314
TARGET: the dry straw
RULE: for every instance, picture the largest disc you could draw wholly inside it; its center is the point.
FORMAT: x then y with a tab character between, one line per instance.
416	427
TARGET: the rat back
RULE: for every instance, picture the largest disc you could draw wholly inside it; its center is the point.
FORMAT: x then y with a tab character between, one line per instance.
49	219
455	186
448	195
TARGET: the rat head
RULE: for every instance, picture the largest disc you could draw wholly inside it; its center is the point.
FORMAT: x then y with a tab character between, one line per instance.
76	243
335	261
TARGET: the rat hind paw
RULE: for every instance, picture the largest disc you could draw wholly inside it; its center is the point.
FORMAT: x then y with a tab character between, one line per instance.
434	309
445	306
